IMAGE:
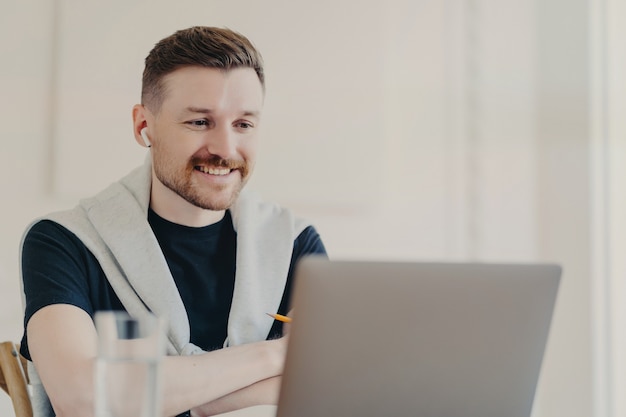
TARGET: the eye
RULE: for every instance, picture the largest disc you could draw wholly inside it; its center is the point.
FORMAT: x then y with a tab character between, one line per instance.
244	125
198	123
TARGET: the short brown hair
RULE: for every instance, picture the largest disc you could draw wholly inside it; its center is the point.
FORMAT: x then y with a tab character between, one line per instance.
197	46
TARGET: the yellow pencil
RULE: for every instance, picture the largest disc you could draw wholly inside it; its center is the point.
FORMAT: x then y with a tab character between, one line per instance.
280	317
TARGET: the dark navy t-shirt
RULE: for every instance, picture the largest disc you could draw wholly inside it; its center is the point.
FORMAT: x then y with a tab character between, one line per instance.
58	269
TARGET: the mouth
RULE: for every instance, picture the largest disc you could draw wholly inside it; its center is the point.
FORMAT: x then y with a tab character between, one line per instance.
220	172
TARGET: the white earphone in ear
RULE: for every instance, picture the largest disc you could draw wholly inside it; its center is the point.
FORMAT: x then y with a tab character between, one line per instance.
144	135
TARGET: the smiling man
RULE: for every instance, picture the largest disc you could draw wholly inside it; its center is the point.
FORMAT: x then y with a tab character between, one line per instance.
177	237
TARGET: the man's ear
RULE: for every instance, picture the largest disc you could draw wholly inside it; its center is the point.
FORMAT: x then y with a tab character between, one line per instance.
140	124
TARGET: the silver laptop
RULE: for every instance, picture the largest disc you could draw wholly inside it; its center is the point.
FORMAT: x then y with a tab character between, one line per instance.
387	339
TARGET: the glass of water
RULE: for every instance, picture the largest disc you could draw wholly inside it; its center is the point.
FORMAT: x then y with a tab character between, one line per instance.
127	374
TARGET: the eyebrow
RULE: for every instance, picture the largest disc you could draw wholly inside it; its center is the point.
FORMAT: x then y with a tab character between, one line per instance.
203	110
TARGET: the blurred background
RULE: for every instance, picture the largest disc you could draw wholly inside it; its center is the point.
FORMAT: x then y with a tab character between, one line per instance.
458	130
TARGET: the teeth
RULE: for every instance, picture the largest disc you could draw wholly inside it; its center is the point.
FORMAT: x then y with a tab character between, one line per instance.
215	171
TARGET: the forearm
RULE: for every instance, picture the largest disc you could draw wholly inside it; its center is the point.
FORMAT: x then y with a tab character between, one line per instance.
66	366
202	379
261	393
222	380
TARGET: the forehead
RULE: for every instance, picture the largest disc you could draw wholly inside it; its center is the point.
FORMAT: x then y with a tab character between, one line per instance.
237	89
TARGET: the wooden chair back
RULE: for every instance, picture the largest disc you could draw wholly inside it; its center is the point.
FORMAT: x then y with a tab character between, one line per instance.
14	379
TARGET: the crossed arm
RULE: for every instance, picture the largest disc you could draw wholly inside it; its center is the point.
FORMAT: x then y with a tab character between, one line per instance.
211	383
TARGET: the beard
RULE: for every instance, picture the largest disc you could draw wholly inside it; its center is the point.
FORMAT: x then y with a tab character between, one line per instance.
214	197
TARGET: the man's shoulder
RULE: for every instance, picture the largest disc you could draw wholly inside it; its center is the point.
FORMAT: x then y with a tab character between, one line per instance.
49	231
309	242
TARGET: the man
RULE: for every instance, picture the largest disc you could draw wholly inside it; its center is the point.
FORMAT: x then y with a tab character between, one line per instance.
176	237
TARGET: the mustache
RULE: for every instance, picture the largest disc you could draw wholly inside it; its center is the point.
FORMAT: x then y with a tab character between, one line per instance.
216	161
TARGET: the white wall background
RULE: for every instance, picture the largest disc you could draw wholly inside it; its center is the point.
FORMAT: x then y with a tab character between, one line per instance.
405	129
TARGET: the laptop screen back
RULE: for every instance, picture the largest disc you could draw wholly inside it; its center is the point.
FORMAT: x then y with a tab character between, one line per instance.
416	339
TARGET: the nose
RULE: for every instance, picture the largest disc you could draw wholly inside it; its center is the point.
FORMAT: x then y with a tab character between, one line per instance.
221	142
